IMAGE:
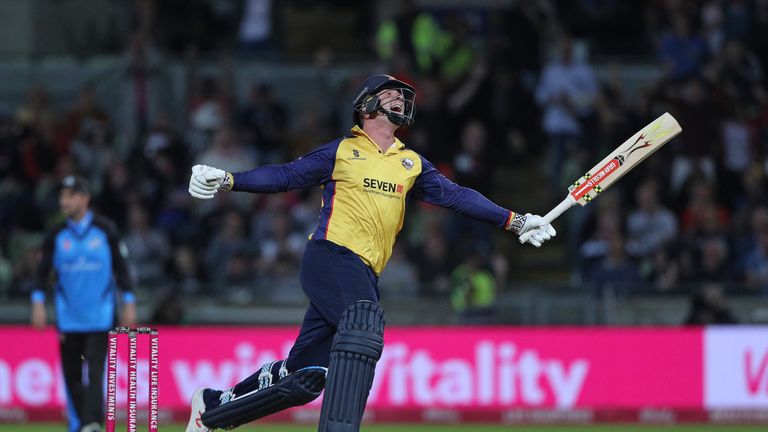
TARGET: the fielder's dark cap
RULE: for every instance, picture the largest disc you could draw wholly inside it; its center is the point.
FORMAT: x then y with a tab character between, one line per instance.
76	184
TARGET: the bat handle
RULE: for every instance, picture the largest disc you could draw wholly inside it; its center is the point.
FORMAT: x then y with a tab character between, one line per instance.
564	205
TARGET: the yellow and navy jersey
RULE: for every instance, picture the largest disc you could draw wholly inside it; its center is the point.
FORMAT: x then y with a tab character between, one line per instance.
365	192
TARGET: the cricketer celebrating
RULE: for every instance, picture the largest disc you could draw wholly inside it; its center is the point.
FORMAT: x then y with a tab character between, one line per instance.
365	179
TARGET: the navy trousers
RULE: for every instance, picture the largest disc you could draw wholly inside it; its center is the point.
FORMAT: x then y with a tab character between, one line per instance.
333	277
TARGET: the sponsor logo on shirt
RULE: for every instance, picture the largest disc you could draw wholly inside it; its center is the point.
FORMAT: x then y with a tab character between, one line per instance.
407	163
381	185
94	243
82	265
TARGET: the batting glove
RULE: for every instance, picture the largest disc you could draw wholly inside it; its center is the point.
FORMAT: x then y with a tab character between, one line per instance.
206	181
532	229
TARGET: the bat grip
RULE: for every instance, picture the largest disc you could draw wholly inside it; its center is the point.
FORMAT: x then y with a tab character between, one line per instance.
564	205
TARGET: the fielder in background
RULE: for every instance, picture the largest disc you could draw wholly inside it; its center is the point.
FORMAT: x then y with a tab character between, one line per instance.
82	261
365	179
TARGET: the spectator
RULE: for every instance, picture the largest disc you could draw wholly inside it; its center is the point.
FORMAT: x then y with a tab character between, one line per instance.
756	221
264	120
740	74
396	34
566	92
459	54
116	193
168	309
209	108
186	271
712	25
473	292
227	151
281	250
230	240
92	152
681	51
701	206
148	249
236	279
209	100
6	276
739	150
255	32
471	163
709	307
651	226
661	269
605	225
756	263
696	149
36	111
616	272
713	264
399	279
274	206
33	154
87	116
433	263
704	247
163	138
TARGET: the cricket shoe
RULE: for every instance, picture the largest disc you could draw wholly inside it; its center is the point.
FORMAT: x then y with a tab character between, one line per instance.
199	405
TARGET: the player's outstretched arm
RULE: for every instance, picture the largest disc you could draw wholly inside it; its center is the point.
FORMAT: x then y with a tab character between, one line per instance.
433	187
312	169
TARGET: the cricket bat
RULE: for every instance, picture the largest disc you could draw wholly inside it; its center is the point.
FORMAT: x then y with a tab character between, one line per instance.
634	150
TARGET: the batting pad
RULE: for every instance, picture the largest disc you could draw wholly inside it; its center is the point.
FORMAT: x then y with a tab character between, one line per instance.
298	388
356	348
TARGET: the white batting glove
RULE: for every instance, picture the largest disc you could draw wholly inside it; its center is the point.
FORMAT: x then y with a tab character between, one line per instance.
206	181
535	231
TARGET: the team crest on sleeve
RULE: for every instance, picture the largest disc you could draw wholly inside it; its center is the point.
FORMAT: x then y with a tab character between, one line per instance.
407	163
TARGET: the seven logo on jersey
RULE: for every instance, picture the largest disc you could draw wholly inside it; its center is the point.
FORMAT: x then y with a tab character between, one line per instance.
381	185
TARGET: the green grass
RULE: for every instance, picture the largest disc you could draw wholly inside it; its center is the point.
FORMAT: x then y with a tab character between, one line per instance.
50	427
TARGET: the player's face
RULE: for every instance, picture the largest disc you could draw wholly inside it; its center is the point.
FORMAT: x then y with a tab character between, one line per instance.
73	204
392	100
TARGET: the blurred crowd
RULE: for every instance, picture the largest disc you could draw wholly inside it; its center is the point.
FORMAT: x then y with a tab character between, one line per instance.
533	88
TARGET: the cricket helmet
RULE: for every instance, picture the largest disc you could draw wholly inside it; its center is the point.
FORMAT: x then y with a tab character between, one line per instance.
367	101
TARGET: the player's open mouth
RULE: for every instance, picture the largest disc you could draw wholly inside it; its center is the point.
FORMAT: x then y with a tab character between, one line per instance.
397	108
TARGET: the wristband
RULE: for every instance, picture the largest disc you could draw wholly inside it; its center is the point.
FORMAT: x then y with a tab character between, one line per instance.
516	223
227	182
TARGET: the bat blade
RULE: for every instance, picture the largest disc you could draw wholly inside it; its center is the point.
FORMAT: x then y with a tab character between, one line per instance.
619	162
